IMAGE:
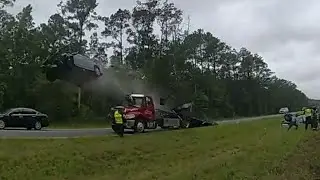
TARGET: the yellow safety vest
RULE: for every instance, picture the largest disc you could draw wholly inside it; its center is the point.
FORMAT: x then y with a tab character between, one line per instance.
118	117
308	112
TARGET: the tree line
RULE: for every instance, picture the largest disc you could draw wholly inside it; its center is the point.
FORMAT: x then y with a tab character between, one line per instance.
192	66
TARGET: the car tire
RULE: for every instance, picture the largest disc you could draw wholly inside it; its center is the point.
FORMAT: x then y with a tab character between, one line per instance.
97	71
37	125
2	124
185	124
139	127
70	62
50	74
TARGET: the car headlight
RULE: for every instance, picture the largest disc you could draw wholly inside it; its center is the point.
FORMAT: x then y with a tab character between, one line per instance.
129	116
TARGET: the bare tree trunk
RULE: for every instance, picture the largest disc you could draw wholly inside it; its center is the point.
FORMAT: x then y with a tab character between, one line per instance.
121	46
79	88
79	98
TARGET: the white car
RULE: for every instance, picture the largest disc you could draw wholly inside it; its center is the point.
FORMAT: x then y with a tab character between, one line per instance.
284	110
70	66
300	119
86	63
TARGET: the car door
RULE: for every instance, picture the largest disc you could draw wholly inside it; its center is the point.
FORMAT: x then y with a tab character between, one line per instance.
88	62
79	61
150	111
14	118
29	118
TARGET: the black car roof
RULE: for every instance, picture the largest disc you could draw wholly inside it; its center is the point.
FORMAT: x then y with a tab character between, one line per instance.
22	108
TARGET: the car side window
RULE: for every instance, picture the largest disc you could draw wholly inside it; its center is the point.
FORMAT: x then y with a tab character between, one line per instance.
27	112
15	112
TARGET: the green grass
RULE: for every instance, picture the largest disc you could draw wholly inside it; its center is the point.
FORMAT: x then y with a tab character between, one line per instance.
302	163
251	150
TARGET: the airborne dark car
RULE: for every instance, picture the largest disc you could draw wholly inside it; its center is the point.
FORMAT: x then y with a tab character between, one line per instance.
23	117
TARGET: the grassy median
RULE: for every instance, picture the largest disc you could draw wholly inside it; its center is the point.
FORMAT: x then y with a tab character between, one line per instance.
251	150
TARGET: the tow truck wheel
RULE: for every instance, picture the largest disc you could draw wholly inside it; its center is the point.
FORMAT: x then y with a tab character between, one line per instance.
139	127
185	124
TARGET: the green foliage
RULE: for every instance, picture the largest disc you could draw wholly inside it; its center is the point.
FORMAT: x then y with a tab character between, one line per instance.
191	66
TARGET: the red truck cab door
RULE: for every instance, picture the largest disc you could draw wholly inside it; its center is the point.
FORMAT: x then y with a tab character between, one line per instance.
149	111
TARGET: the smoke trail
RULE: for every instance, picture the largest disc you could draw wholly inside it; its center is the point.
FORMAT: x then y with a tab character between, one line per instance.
117	82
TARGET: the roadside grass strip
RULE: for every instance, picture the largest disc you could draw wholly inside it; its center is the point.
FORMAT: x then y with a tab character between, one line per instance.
249	150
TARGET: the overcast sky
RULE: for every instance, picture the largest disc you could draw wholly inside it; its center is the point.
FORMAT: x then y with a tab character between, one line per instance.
285	32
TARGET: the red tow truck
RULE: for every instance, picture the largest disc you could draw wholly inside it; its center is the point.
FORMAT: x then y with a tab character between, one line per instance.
140	114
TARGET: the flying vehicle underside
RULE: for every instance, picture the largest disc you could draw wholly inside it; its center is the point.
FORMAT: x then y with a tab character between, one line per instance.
74	68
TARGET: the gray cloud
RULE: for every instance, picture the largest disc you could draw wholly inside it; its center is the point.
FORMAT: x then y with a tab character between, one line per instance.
286	33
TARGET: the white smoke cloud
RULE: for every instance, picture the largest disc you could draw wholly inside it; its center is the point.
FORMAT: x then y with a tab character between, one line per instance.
117	82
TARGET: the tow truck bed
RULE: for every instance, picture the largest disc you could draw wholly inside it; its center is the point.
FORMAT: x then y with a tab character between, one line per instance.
174	116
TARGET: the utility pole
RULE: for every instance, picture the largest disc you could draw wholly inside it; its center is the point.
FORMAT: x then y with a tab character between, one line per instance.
79	98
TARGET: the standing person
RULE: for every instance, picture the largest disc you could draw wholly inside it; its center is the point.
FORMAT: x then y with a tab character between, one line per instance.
308	113
302	114
293	122
314	118
318	121
117	125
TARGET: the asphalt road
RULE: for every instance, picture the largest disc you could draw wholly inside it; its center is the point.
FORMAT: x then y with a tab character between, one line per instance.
73	133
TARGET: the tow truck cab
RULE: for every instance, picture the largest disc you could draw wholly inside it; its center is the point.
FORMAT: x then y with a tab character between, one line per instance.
139	112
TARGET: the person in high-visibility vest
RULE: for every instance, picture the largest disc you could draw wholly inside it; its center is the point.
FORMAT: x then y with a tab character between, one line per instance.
118	126
308	113
318	121
314	125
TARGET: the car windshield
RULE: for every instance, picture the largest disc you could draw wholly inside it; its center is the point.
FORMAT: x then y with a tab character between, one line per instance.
137	101
134	101
31	110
